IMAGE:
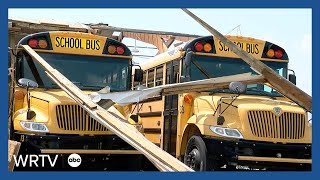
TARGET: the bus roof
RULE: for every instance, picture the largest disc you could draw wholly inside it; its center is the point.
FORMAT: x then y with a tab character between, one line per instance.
259	50
79	43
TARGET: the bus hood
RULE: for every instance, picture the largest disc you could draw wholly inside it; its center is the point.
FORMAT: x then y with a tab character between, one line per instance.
54	96
208	103
59	97
257	118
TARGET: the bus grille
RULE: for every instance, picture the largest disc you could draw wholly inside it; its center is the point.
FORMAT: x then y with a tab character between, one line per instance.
268	125
75	118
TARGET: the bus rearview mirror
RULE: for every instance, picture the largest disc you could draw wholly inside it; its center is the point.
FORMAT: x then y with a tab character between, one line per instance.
138	75
293	79
238	87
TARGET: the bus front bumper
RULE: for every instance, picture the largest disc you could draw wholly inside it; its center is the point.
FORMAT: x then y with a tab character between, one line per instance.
270	159
259	154
64	144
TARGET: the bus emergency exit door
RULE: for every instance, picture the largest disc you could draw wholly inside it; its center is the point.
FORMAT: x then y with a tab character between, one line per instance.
170	113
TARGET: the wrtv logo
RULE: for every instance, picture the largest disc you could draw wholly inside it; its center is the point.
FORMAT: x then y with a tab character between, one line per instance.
32	160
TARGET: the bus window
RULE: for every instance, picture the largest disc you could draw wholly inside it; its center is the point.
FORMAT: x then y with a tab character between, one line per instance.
150	78
144	79
159	75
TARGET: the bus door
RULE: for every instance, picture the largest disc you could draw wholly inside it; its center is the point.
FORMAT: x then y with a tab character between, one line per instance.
170	113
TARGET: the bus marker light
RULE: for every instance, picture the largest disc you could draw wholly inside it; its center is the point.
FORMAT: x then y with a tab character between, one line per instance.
120	50
188	99
270	53
207	47
278	54
43	44
198	46
33	43
112	49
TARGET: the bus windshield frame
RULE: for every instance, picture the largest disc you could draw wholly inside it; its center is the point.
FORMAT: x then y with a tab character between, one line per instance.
203	67
85	71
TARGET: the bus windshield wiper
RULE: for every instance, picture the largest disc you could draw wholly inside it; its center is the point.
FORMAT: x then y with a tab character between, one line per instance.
263	93
220	91
53	85
91	86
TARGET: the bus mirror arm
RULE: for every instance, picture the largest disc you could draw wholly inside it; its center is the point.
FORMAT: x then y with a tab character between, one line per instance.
220	118
236	87
28	84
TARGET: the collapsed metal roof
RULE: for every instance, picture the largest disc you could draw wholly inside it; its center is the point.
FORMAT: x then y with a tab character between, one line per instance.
161	39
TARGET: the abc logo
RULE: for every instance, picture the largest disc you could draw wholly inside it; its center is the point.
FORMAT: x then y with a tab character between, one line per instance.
74	160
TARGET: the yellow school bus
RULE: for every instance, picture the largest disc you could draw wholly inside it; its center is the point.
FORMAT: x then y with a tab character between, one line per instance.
220	129
45	118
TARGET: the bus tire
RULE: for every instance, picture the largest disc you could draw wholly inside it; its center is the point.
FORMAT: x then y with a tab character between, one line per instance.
196	155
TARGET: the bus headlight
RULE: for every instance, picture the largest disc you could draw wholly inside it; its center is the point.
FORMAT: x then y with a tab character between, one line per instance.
34	126
226	132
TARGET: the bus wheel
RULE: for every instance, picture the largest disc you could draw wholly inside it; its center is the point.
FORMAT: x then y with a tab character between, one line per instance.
196	155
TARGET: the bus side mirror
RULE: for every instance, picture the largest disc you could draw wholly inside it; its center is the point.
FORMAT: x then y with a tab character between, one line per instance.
238	87
293	78
27	83
138	75
187	60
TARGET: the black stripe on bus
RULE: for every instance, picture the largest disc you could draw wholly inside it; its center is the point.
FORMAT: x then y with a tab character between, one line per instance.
152	130
150	114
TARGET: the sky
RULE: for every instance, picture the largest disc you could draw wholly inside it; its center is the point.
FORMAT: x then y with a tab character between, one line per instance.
289	28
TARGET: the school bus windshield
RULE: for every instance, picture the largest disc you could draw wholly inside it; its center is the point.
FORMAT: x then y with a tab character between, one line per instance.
87	72
203	67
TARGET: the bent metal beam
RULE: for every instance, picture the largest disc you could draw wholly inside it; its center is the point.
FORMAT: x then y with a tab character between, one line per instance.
279	83
112	119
